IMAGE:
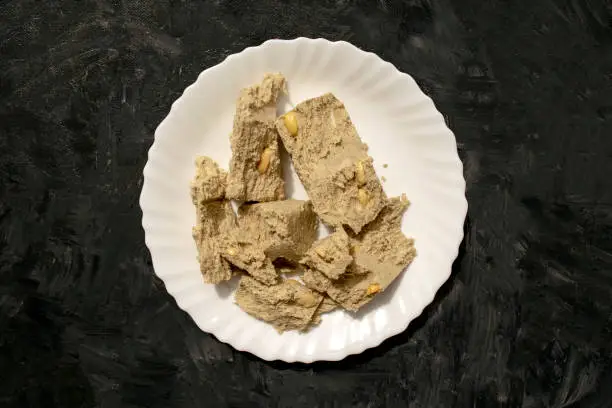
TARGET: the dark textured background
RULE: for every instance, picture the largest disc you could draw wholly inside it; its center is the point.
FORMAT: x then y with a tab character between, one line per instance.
526	319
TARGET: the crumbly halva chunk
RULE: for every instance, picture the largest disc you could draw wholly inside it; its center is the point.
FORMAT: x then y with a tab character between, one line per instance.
284	229
332	162
381	253
242	252
288	305
215	219
326	306
382	242
213	267
269	231
255	167
330	255
209	181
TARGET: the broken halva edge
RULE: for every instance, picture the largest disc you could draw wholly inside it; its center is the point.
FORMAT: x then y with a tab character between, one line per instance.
269	231
332	162
255	167
272	238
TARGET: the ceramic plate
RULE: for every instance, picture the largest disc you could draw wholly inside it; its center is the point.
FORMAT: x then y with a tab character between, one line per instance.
411	146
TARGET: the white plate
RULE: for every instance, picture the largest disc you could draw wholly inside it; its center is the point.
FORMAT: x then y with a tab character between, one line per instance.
392	115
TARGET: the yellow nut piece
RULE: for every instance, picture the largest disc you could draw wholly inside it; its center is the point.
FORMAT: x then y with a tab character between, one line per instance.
373	289
360	173
291	123
363	196
232	251
264	161
305	299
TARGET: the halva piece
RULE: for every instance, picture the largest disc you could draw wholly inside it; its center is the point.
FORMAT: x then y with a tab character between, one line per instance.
382	244
332	162
214	220
269	231
381	254
255	167
330	255
242	252
284	229
288	305
209	182
327	305
213	267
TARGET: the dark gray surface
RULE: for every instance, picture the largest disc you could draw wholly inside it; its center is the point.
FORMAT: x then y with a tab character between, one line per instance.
526	318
